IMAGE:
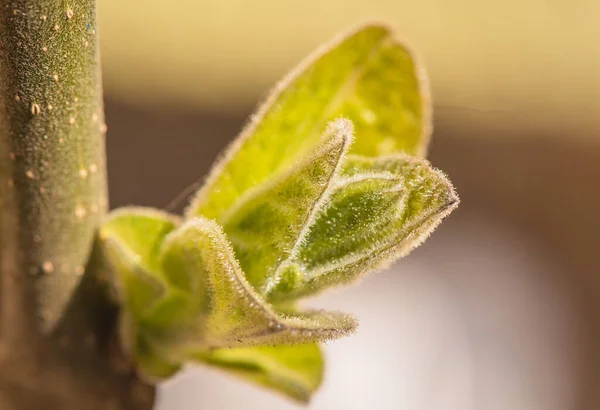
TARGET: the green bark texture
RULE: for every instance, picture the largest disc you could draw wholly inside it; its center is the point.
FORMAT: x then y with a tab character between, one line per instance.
57	343
52	127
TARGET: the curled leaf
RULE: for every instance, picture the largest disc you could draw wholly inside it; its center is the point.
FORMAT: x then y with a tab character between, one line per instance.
130	240
379	211
227	311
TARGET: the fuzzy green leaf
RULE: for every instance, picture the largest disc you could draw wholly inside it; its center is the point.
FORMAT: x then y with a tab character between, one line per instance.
137	288
296	371
142	230
226	310
269	220
366	76
130	239
379	211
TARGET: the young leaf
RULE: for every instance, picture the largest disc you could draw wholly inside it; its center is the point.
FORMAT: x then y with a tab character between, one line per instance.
141	230
296	371
137	288
130	240
381	210
267	221
366	76
229	312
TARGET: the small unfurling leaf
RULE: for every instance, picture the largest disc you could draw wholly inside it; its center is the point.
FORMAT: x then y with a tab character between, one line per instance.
130	240
379	210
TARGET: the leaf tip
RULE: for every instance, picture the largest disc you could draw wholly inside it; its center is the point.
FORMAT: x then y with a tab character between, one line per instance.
390	35
342	127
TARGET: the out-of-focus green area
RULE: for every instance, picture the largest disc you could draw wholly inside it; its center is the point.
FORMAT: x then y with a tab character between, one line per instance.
536	58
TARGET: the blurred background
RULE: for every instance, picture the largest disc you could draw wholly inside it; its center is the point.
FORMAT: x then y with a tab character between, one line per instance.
500	308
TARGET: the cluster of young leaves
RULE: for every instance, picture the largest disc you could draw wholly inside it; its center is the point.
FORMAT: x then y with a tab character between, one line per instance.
325	184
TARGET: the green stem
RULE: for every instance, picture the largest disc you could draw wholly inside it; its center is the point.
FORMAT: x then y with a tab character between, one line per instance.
58	345
52	166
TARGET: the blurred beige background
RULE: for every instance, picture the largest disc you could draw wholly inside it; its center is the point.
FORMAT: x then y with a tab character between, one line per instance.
500	309
537	57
